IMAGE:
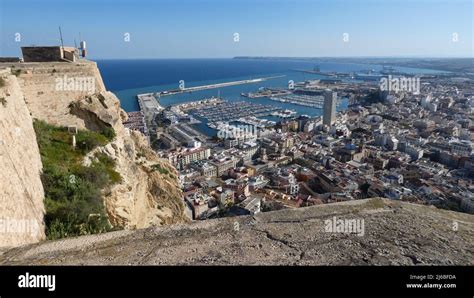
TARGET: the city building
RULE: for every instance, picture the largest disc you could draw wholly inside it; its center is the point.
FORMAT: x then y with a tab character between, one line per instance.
330	101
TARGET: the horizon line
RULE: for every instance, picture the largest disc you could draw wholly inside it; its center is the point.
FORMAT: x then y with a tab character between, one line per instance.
287	57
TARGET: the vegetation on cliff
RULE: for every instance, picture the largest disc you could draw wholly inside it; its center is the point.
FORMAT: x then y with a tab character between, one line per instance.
73	191
2	99
162	170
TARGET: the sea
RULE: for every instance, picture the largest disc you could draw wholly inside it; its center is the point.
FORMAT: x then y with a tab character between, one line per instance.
127	78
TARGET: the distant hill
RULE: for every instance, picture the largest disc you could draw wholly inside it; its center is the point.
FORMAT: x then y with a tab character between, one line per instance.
462	65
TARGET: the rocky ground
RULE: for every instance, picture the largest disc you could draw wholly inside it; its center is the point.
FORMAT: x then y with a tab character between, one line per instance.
396	233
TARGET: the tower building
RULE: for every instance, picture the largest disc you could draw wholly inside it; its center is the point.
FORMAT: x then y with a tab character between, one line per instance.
330	100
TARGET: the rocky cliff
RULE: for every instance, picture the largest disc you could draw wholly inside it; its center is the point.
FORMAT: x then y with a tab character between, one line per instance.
61	94
144	197
21	190
395	233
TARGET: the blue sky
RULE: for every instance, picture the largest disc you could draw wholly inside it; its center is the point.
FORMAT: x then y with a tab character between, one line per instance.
205	28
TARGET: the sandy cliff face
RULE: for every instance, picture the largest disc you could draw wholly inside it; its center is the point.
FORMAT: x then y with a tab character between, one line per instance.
21	191
144	197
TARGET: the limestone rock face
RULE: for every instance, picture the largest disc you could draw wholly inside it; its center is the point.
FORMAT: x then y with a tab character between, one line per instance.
21	190
98	111
144	197
395	233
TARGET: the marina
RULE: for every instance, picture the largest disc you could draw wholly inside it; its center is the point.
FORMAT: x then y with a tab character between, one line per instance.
192	105
235	131
254	121
202	108
232	111
285	114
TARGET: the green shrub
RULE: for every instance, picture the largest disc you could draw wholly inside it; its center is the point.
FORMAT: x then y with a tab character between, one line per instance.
73	192
16	72
107	165
159	168
109	133
88	140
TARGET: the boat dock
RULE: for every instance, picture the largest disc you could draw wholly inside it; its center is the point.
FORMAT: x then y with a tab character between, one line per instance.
193	105
232	111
